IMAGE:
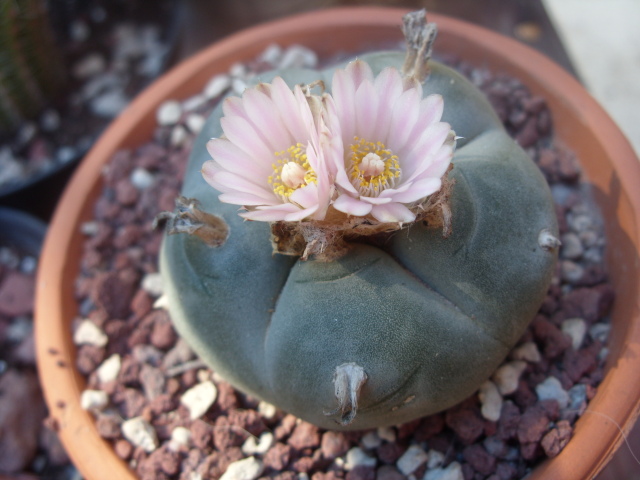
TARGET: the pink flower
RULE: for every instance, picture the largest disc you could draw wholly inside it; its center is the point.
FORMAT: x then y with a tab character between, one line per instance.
269	160
395	149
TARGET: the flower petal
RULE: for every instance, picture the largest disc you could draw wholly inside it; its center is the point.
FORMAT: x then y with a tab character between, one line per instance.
289	109
418	190
403	118
366	103
388	87
233	159
265	116
352	206
392	212
241	198
273	213
375	200
232	182
242	133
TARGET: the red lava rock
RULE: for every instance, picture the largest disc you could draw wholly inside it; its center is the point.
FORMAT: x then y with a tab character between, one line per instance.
126	193
429	427
589	303
16	294
533	424
113	292
524	396
466	423
227	398
388	472
285	428
554	342
479	459
132	402
557	438
126	236
530	451
228	434
304	436
528	136
294	476
509	420
303	464
22	412
201	434
108	426
163	336
333	444
361	472
89	357
123	449
118	167
389	453
215	464
331	475
152	380
407	429
278	457
163	403
506	471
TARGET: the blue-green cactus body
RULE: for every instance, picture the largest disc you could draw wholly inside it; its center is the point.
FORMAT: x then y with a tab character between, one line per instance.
427	319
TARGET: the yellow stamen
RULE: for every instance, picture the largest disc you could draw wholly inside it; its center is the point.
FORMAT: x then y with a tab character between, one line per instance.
291	171
372	167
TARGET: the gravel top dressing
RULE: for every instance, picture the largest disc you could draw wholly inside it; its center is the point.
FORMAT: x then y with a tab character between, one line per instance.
171	417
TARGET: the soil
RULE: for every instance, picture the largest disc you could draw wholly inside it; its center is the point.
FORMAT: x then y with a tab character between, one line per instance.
139	371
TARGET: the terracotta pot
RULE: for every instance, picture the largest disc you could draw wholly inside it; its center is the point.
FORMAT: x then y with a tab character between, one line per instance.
580	123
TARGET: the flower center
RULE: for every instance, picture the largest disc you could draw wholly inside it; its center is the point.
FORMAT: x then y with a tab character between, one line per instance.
372	167
291	171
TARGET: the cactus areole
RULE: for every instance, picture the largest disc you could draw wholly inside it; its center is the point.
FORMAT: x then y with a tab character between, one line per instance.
388	331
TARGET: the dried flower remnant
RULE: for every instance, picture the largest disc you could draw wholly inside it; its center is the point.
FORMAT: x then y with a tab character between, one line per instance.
395	148
270	160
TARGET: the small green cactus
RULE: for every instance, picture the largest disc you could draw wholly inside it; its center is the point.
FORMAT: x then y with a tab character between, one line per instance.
31	68
388	332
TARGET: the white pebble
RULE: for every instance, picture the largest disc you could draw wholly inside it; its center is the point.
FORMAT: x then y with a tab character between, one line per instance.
141	178
178	136
238	86
217	86
267	410
356	457
88	333
248	468
298	56
251	446
238	70
94	400
436	459
507	376
371	440
491	401
452	472
180	437
193	103
89	66
198	399
109	104
169	113
152	284
571	271
387	433
272	54
140	433
195	122
109	369
411	459
576	328
571	246
528	352
551	389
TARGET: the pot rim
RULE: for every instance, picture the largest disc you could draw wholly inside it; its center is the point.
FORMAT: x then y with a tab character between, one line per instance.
596	436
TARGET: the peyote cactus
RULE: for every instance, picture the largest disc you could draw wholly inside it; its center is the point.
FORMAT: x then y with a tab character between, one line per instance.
388	327
31	68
